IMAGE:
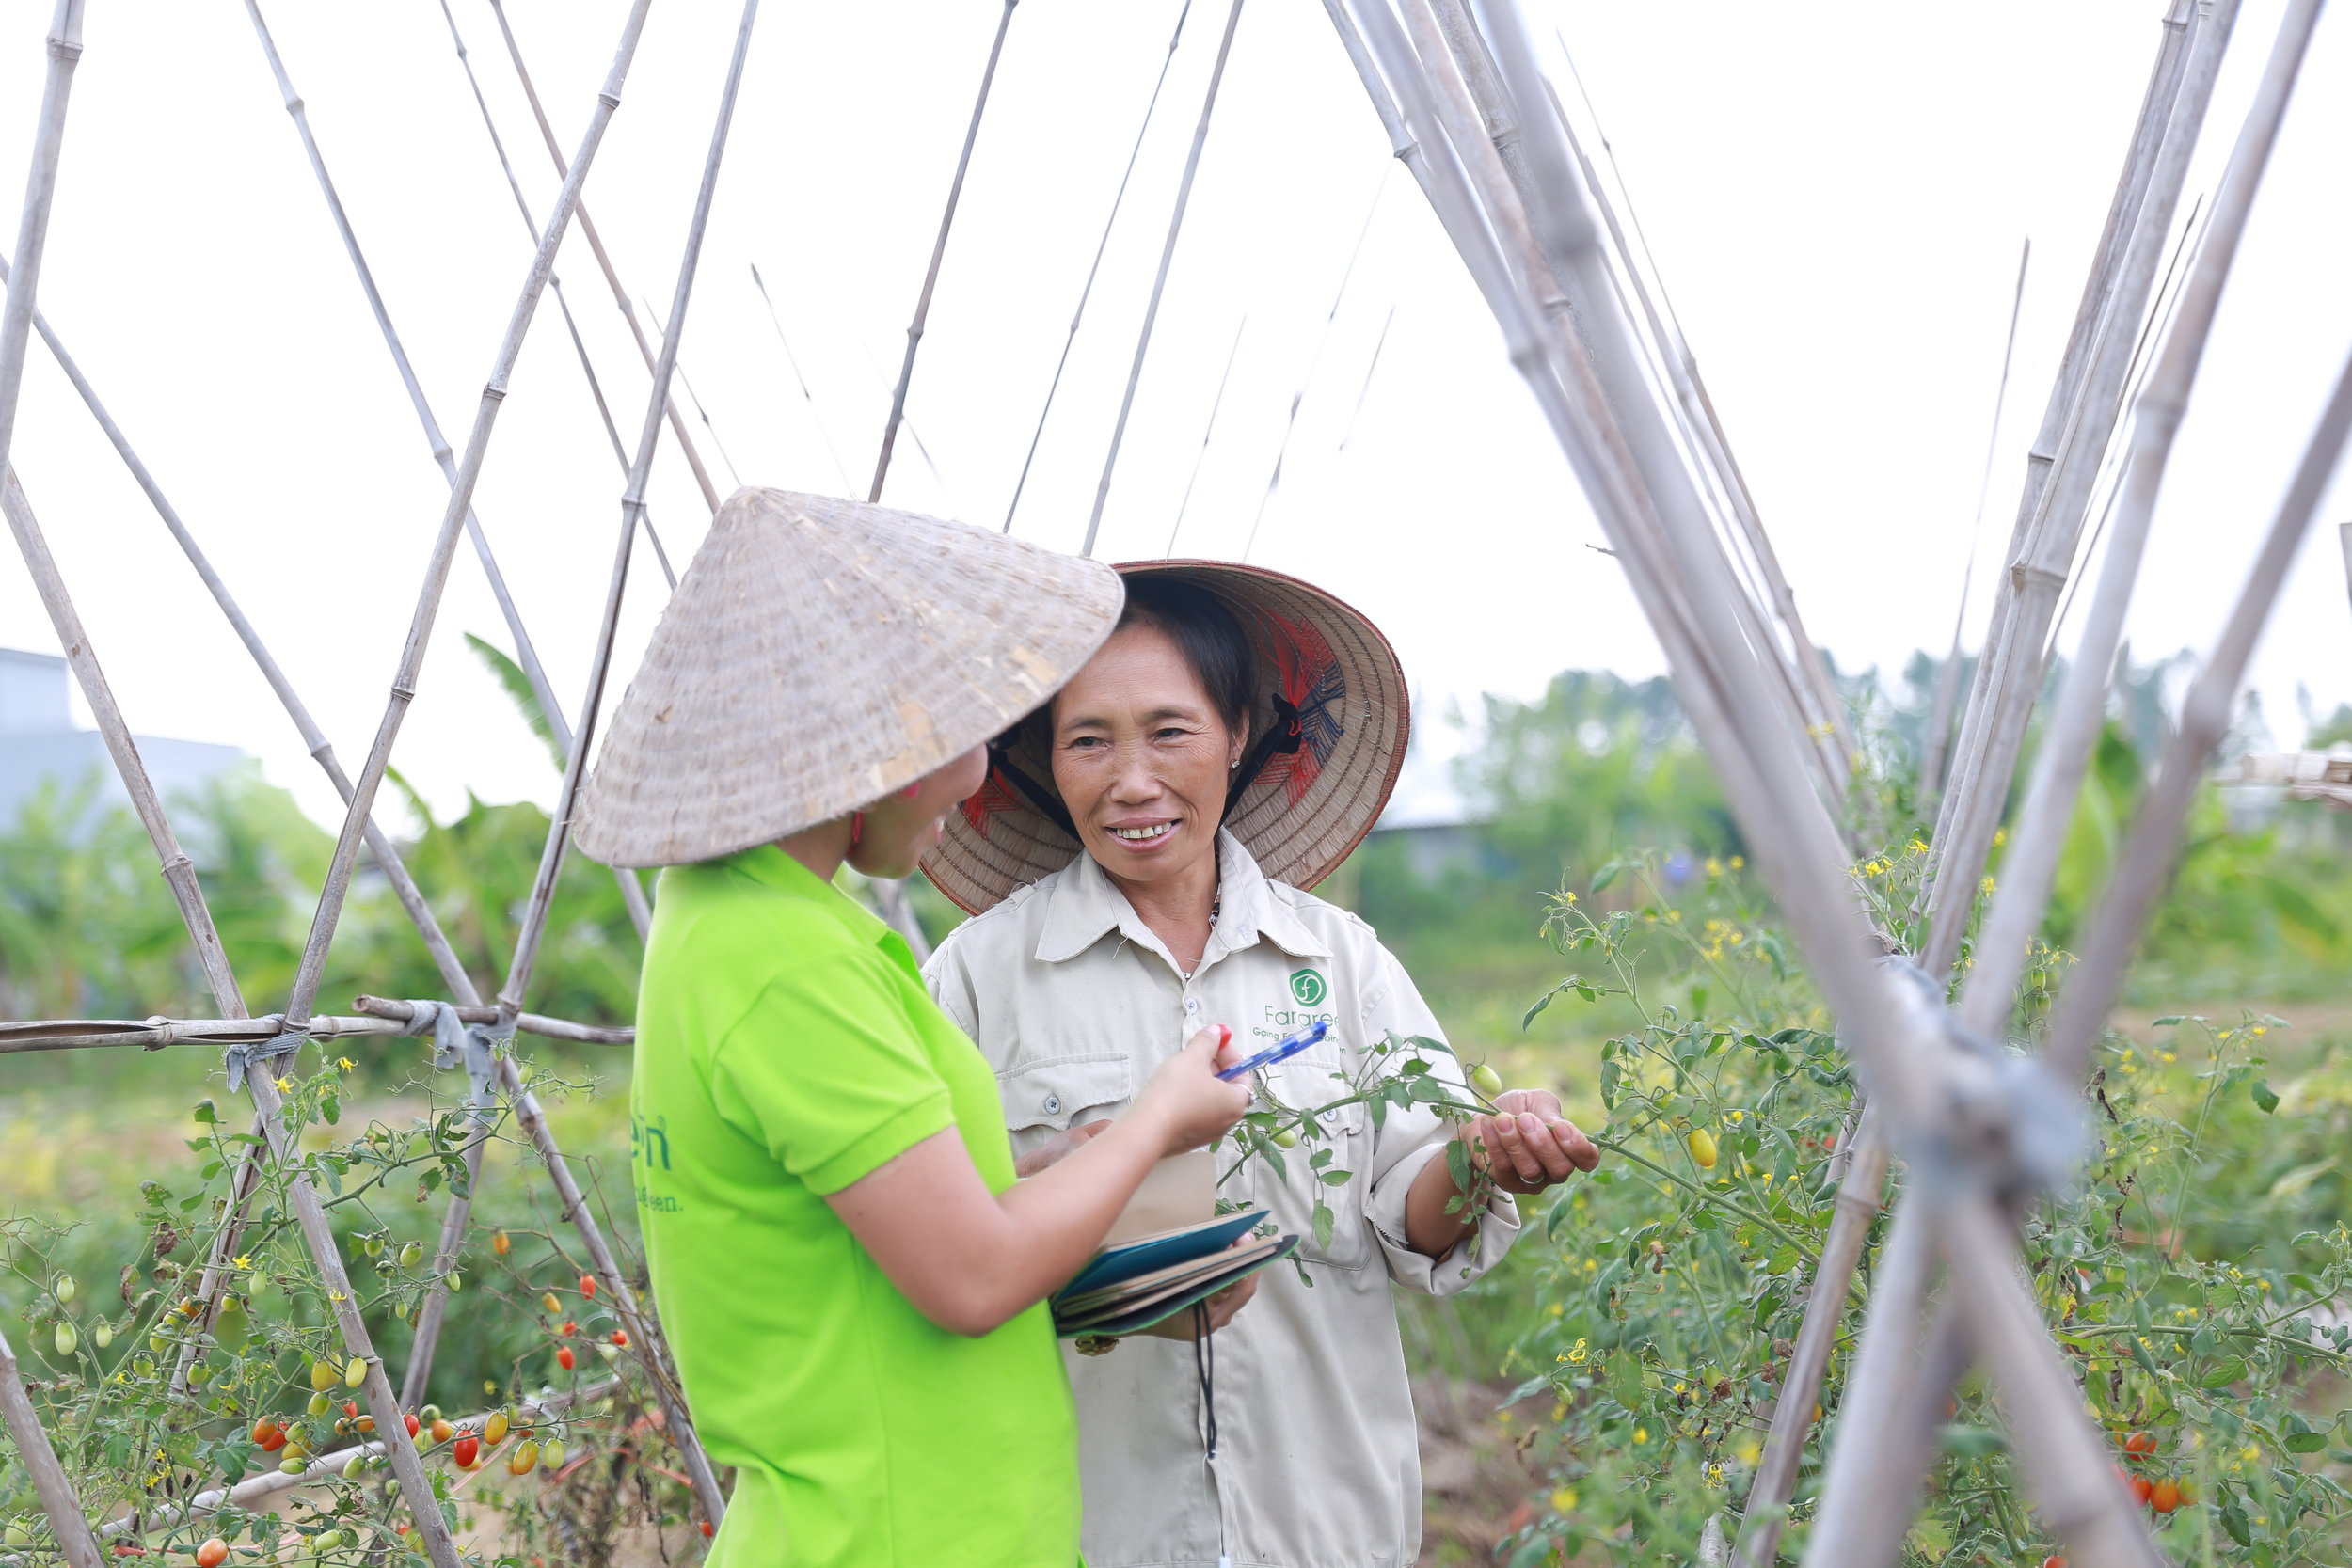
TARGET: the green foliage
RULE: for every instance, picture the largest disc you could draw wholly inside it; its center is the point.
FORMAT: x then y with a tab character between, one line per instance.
2191	1285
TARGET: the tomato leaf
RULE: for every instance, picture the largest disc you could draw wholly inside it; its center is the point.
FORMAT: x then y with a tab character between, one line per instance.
2223	1374
2265	1098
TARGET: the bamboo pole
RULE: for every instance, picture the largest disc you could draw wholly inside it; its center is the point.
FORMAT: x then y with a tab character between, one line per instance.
1364	391
530	1024
1323	340
2009	674
1760	777
939	251
2150	850
32	229
1209	430
1087	292
2183	21
1159	281
808	397
534	915
1989	994
76	1543
526	654
377	1018
555	282
1939	735
1825	1305
604	262
178	871
313	967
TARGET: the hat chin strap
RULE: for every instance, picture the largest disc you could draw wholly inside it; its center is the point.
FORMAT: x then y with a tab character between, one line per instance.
1284	737
1041	800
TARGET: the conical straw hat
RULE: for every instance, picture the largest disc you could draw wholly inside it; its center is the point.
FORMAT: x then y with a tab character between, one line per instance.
820	654
1304	808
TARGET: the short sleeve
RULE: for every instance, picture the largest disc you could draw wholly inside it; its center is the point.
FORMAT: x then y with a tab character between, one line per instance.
828	1073
950	984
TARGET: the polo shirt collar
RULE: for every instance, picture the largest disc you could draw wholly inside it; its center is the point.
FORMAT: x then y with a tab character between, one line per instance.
1086	905
769	866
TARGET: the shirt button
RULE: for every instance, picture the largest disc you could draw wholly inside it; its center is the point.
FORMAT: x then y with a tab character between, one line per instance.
1053	1104
1192	1004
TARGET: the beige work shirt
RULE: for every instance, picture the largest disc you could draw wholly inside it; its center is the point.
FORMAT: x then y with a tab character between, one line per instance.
1075	1001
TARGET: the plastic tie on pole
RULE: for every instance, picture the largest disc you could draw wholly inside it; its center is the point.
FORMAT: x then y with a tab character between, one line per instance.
457	1044
2009	1126
244	1055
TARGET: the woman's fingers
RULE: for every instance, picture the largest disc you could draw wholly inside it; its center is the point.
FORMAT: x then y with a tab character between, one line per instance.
1231	1300
1554	1159
1219	1039
1519	1152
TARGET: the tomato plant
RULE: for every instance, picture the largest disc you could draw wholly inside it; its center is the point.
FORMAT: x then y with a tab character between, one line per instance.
2197	1310
152	1408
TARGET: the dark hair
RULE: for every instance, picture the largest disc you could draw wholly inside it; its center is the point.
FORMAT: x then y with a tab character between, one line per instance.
1206	635
1204	632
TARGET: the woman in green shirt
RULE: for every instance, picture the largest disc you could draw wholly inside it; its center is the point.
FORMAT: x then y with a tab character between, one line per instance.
851	1282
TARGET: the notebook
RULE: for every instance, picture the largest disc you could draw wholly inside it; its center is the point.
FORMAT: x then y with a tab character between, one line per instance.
1164	1252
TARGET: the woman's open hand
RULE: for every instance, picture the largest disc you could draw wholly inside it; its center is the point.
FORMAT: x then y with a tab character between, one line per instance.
1527	1146
1186	1100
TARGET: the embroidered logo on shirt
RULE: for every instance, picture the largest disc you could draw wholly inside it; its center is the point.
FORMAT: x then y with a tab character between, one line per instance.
1309	987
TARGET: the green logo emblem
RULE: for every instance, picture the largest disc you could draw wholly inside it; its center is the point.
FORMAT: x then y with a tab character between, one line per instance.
1309	988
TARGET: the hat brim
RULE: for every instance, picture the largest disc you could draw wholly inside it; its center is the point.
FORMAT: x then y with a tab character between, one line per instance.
1306	810
819	653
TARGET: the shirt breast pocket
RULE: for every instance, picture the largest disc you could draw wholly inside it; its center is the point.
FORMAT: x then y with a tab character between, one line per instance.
1055	1093
1303	1084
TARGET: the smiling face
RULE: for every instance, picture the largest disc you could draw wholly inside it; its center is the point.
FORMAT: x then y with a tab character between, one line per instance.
1142	758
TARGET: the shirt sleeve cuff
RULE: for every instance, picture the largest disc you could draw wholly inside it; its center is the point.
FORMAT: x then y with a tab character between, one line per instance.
881	1144
1498	1227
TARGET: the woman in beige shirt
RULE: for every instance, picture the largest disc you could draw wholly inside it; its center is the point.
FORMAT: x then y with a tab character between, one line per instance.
1135	863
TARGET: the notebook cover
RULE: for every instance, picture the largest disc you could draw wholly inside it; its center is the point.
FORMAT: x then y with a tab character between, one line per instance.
1072	1302
1114	1265
1139	1319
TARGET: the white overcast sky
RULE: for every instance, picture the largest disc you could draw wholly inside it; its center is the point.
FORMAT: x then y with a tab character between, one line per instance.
1835	193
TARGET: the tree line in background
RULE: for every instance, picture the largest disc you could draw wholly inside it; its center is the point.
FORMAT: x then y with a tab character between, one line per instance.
1598	767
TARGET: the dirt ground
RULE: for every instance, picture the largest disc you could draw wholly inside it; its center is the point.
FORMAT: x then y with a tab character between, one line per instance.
1474	1491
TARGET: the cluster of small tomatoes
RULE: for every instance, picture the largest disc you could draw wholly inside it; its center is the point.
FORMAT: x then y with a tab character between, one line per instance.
568	1327
2162	1494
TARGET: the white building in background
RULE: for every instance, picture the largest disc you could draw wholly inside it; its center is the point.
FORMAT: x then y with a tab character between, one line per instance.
39	745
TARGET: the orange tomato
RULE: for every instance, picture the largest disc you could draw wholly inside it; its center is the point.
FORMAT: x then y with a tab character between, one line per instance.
268	1434
2166	1496
2140	1443
2142	1489
565	1358
212	1553
588	1286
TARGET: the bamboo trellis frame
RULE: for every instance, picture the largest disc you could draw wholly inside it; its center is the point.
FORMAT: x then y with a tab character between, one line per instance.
1467	108
1925	1077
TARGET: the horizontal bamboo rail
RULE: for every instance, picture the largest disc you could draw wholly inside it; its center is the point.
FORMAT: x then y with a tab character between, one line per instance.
384	1019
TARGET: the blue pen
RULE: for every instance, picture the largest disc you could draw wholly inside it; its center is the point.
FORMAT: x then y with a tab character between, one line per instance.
1281	1050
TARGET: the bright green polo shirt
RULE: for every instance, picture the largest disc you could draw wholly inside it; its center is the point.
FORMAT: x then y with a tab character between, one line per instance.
785	1047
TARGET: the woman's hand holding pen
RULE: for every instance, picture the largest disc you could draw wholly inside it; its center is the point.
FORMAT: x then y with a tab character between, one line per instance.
1186	1100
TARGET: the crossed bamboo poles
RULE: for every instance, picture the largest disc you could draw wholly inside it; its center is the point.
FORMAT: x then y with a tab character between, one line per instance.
16	325
1983	1133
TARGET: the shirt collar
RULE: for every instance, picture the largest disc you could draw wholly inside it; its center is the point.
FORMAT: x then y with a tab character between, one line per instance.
1085	905
769	866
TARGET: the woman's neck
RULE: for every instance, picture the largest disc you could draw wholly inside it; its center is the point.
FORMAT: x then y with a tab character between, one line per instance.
1177	908
821	848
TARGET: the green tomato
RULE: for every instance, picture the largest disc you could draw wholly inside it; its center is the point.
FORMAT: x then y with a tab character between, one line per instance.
1486	1080
233	1328
1285	1136
355	1466
103	1336
356	1373
63	1289
67	1338
410	1255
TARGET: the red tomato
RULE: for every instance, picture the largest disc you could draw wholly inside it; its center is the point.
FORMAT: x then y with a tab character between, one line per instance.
564	1358
620	1339
2167	1496
268	1434
351	1407
212	1553
2140	1443
568	1328
707	1530
411	1422
2054	1560
466	1451
2142	1489
588	1286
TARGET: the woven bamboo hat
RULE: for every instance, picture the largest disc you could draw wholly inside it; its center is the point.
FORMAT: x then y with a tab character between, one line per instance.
1328	726
820	654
